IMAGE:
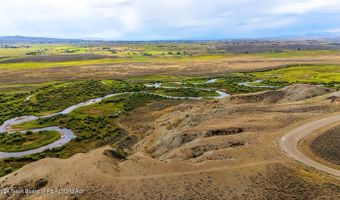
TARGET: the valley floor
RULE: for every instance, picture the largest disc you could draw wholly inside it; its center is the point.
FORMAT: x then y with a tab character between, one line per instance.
218	149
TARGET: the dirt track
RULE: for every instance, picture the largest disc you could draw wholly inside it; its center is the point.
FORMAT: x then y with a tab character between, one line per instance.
289	143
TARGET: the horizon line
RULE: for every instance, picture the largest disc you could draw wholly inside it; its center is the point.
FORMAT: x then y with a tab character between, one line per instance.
288	37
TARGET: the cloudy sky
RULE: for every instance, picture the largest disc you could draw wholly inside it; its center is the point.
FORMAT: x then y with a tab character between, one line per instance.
169	19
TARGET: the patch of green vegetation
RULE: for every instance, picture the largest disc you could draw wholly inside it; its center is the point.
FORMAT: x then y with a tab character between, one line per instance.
56	97
173	84
41	65
313	74
255	84
21	50
234	88
15	142
16	51
128	59
266	83
186	92
229	83
5	170
12	105
156	79
116	105
136	100
100	109
23	88
196	80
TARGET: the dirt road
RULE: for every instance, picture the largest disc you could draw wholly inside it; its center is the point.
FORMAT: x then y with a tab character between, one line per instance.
289	143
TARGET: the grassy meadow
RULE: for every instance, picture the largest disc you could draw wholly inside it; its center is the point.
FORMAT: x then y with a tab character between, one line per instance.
314	74
16	142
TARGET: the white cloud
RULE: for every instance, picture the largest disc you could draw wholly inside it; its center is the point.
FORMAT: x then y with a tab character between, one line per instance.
135	19
334	30
305	6
268	22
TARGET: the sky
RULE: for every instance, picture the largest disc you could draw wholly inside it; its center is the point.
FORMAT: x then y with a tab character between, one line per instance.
169	19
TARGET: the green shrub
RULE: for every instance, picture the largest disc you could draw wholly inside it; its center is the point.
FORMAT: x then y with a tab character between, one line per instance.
8	170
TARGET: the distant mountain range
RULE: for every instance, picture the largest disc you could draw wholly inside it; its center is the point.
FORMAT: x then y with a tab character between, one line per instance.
23	39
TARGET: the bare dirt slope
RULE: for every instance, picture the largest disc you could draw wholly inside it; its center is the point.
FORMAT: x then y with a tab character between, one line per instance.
290	141
220	149
327	145
296	92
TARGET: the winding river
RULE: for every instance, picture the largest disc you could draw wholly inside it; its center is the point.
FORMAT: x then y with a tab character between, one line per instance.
248	84
66	134
221	94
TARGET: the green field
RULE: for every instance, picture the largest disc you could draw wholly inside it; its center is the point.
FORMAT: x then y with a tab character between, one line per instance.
23	88
14	142
123	53
317	74
105	108
131	53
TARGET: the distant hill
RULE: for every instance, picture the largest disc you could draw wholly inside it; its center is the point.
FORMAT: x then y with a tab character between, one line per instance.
23	39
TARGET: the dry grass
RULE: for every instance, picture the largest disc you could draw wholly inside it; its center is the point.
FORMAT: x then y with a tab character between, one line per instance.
321	147
188	67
